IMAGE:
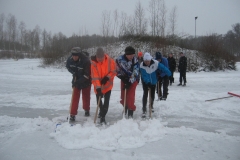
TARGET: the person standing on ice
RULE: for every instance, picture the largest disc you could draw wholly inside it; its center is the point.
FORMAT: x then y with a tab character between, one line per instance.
148	69
128	72
103	71
163	79
172	67
182	68
79	66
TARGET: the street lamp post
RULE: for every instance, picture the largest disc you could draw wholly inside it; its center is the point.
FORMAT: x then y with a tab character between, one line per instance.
195	25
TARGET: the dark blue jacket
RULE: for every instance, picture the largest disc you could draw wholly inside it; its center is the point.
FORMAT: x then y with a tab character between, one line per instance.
81	70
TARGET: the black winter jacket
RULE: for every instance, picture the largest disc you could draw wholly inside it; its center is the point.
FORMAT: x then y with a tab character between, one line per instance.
81	70
182	66
171	63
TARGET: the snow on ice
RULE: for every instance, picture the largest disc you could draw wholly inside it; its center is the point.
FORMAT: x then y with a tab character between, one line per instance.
33	100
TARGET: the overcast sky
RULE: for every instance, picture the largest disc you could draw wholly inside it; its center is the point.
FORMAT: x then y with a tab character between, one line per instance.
72	16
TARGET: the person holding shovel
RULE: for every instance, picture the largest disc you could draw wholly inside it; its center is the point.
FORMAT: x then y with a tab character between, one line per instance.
148	69
128	72
79	66
103	71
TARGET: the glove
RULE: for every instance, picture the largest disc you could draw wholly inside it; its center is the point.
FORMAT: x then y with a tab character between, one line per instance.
99	92
74	84
104	80
127	85
125	80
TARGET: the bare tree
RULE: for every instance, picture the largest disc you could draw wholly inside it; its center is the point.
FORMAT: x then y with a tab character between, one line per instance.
123	24
139	19
130	27
115	24
44	39
152	19
11	29
36	38
106	23
155	17
173	20
2	18
22	29
163	22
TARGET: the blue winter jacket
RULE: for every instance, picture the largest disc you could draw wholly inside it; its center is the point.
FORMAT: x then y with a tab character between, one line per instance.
164	61
148	73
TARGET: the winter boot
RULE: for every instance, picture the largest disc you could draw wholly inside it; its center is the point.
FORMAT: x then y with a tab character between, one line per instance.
184	84
144	114
72	118
130	114
152	109
179	84
102	121
87	114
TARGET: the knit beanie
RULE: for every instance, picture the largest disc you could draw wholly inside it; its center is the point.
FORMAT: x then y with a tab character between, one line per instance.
147	56
76	51
158	55
140	54
129	50
100	53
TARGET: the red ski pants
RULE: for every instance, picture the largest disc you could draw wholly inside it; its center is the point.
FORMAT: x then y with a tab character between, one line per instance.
130	96
85	99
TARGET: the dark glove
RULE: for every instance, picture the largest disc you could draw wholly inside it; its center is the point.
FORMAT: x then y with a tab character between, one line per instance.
125	80
75	84
99	92
104	80
127	85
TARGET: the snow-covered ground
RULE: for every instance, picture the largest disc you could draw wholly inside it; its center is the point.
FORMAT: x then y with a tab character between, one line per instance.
185	127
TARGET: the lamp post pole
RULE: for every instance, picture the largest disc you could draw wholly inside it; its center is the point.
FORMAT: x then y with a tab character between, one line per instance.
195	25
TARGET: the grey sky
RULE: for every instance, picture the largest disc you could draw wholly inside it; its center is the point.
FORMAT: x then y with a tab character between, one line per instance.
72	16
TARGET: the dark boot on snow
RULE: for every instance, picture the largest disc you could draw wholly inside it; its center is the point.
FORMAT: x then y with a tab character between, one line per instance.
87	114
72	118
144	114
130	114
103	121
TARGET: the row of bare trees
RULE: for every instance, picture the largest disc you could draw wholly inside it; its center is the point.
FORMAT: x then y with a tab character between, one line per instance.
120	24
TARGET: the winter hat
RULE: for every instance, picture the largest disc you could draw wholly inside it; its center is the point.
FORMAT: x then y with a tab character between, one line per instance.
140	54
76	51
100	53
147	57
129	50
158	55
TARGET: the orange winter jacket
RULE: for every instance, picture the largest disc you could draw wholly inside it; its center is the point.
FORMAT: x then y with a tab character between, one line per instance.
101	69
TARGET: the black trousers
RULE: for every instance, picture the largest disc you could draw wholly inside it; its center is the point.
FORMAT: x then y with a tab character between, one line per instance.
182	76
104	106
171	78
163	82
145	95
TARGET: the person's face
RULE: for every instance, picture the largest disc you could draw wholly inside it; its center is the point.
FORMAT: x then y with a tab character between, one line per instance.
170	55
75	58
130	57
147	63
100	59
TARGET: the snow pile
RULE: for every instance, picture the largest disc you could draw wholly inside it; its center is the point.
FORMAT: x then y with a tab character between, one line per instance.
126	133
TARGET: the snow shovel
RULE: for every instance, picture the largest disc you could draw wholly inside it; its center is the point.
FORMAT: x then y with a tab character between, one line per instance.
98	105
150	100
70	107
124	105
